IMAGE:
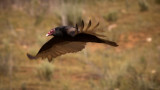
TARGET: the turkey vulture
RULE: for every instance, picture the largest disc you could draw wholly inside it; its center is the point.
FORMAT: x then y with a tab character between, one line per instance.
68	39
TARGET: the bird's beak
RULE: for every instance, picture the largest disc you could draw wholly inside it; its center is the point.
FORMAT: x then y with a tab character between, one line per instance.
47	35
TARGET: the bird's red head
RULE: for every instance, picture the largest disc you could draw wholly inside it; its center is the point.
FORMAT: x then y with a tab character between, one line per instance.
51	32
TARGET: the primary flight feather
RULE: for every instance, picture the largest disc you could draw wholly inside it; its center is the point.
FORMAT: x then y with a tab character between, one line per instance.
68	39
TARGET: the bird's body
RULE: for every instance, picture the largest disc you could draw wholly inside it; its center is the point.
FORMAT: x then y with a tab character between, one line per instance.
68	39
64	31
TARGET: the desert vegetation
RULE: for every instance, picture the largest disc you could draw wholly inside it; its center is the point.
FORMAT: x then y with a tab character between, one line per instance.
133	24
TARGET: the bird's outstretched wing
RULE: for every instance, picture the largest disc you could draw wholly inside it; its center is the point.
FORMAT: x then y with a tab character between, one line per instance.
59	46
89	34
56	47
84	37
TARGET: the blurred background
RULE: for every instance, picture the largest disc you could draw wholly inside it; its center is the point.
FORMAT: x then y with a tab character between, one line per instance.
133	24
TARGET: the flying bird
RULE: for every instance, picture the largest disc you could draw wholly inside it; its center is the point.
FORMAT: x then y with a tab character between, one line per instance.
69	39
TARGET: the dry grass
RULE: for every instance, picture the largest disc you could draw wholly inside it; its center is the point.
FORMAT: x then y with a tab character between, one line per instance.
143	5
133	65
45	71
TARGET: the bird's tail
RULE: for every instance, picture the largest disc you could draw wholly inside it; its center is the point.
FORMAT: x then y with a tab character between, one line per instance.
31	57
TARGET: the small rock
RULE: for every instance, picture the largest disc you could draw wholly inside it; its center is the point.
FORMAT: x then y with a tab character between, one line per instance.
149	39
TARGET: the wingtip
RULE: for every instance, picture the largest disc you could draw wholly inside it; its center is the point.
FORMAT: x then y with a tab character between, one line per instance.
77	26
90	21
30	56
98	23
115	44
82	22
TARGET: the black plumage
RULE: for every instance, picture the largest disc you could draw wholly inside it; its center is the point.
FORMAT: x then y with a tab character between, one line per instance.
68	39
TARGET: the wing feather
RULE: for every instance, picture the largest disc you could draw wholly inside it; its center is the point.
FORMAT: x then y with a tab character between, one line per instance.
88	26
82	26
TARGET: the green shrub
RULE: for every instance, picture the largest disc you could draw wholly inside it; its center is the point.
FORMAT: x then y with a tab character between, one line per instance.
39	19
111	16
45	71
4	65
23	86
71	13
5	58
157	1
143	5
